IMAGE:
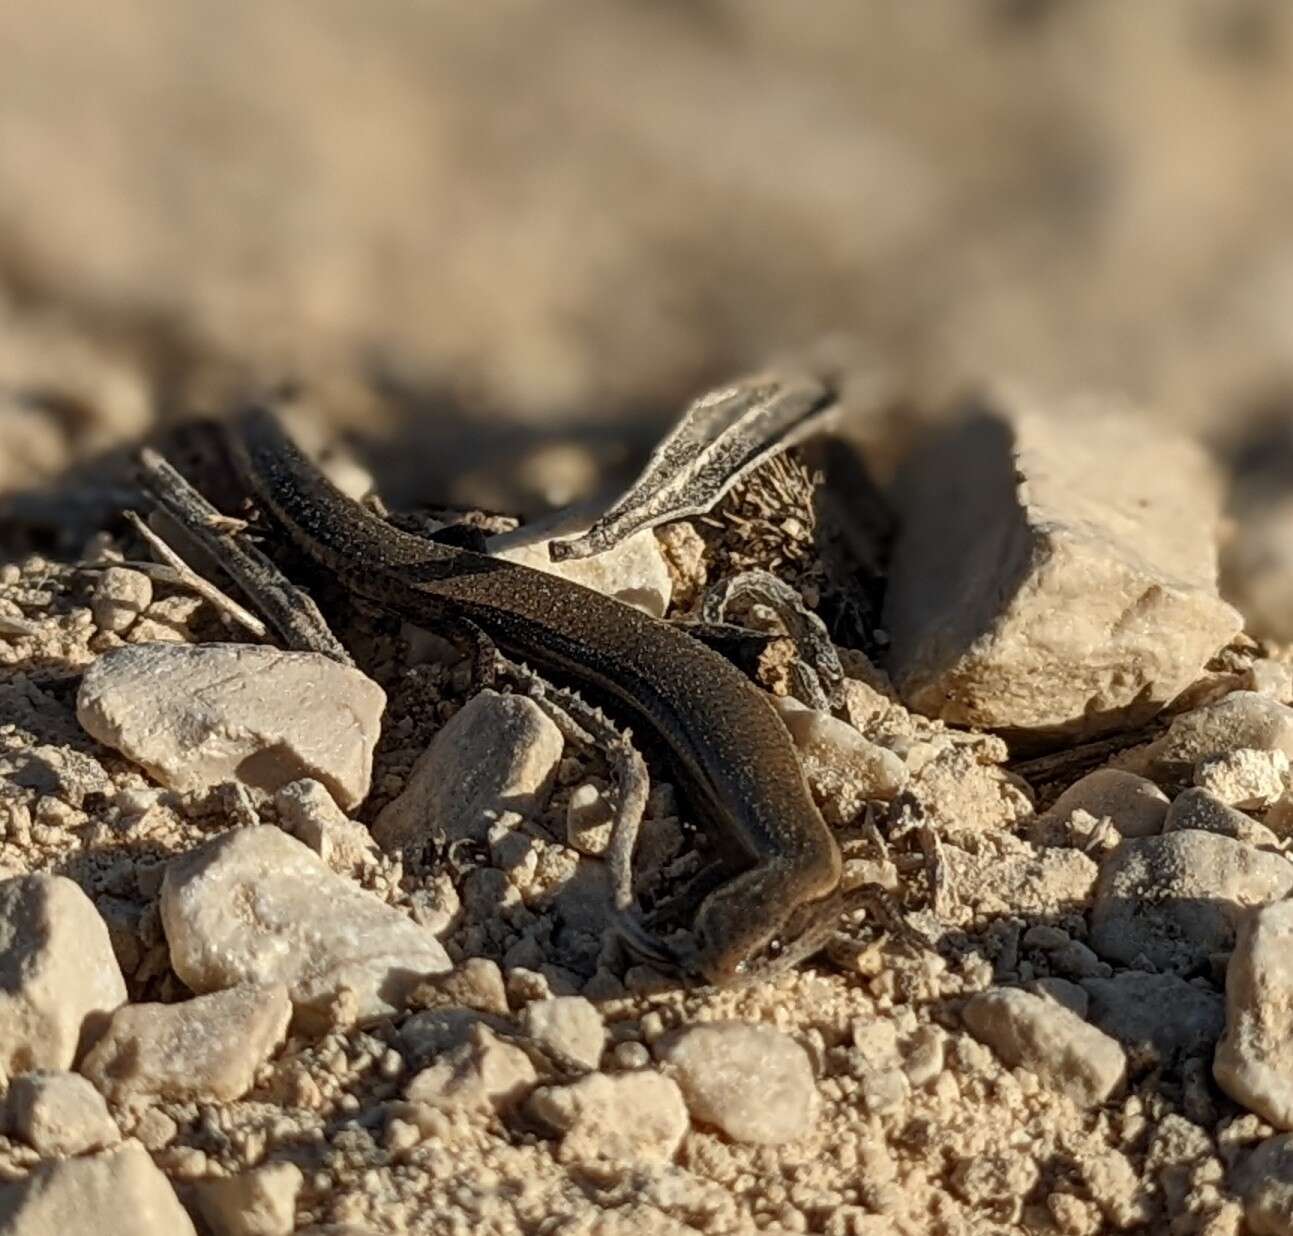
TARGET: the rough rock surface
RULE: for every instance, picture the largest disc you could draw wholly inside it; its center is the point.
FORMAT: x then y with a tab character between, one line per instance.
480	1073
205	1048
1177	898
627	1117
1243	777
1198	809
1254	1060
307	811
1011	521
59	978
1238	720
1041	1035
495	759
121	1189
571	1026
59	1114
197	716
120	596
714	1065
261	1202
256	906
1265	1181
1158	1018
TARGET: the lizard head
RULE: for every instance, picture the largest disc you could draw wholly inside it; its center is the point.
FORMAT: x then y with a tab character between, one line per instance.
742	936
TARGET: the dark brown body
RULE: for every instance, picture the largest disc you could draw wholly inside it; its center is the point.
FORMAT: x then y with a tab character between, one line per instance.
732	749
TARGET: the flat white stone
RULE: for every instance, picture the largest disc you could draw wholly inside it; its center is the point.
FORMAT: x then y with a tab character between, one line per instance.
205	1048
571	1026
1054	573
256	906
59	978
194	716
634	571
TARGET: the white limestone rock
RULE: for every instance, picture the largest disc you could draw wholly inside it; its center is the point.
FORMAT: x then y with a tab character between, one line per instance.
59	1114
1176	899
196	716
1038	1034
495	760
203	1049
626	1117
1054	573
256	906
59	978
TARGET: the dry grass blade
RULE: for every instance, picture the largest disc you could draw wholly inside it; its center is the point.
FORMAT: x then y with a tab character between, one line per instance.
720	438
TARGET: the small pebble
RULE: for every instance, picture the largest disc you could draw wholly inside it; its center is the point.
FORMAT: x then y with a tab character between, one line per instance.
1062	1049
750	1080
1244	778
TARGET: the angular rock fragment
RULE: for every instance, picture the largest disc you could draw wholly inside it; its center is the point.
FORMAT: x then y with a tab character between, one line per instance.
119	1192
570	1026
1041	1035
1244	778
1177	898
752	1081
1254	1060
1054	573
59	978
497	757
628	1117
196	716
306	811
61	772
120	596
1240	719
261	1202
481	1073
205	1048
256	906
1158	1018
59	1114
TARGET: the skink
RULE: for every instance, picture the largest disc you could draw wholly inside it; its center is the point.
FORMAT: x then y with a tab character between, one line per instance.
738	766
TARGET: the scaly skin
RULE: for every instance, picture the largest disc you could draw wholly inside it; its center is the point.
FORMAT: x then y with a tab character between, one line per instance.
735	755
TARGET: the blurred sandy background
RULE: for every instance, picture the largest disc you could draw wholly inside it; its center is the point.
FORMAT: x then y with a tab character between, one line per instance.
486	232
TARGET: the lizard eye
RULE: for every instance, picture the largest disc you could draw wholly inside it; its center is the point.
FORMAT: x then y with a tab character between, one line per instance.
775	946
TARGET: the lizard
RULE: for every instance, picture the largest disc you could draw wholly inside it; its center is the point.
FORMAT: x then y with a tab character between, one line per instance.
780	897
